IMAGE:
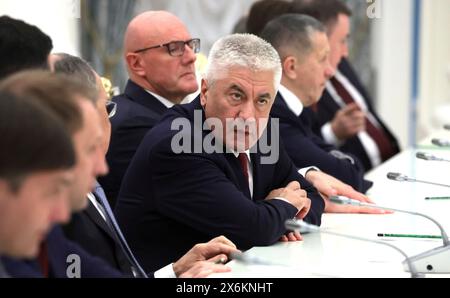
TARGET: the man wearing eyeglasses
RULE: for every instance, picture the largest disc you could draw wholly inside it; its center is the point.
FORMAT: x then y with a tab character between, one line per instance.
160	54
93	228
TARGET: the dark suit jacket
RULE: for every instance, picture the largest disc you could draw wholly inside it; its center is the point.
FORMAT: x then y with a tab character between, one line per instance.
59	248
327	108
3	272
305	148
90	231
169	202
137	112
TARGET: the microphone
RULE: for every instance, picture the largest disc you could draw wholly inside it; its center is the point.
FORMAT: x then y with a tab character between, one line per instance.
432	261
429	156
440	142
401	177
296	225
447	126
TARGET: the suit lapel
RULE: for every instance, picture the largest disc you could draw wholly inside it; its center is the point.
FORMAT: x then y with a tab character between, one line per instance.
142	97
239	178
95	216
283	108
282	111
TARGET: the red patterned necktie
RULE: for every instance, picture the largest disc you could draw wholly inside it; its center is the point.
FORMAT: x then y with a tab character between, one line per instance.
377	134
242	157
43	258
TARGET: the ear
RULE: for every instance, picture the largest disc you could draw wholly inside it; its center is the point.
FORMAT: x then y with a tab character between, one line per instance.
203	92
290	67
135	63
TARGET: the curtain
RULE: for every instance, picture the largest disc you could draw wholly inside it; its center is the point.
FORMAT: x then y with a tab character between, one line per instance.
104	23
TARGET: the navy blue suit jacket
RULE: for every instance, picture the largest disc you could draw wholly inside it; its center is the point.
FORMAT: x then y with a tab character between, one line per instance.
327	108
90	231
137	112
169	202
59	248
305	148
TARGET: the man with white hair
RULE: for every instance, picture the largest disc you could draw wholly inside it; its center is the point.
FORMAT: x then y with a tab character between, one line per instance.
200	173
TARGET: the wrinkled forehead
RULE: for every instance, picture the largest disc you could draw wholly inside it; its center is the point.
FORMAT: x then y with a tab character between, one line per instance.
251	83
247	76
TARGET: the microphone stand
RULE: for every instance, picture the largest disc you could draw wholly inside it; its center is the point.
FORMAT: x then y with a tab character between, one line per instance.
436	260
400	177
296	225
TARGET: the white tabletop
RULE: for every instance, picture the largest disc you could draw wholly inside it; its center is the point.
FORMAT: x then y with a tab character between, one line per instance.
322	255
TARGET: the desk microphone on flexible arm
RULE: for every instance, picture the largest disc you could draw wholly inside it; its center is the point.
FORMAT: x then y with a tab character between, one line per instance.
436	260
440	142
296	225
401	177
429	156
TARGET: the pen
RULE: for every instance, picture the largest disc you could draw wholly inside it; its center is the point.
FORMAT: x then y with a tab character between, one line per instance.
409	236
437	198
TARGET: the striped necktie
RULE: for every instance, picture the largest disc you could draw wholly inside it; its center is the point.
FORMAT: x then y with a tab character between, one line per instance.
377	134
100	194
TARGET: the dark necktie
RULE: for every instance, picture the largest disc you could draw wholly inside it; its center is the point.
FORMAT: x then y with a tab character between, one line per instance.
43	258
377	134
243	161
111	220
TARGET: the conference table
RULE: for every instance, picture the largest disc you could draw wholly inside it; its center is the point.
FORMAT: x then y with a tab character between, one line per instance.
325	255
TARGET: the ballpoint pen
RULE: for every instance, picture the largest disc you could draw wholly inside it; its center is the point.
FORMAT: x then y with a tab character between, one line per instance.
409	236
437	198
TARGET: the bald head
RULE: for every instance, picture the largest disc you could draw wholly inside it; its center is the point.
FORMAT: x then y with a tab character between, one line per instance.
154	68
150	28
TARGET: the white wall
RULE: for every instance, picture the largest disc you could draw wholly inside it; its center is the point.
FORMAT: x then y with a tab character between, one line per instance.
57	18
392	52
434	104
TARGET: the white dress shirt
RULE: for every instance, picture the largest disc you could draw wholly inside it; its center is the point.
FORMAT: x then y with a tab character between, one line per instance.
296	106
167	103
293	102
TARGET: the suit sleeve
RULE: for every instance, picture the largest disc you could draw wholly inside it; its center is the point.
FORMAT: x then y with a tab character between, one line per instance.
91	267
194	190
306	151
285	164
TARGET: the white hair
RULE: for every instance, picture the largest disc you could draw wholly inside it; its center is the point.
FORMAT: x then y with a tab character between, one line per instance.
245	50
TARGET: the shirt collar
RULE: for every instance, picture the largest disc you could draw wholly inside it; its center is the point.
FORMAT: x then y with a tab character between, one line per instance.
339	76
167	103
292	101
247	152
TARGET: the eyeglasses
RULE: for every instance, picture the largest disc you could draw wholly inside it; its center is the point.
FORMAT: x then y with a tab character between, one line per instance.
176	48
111	108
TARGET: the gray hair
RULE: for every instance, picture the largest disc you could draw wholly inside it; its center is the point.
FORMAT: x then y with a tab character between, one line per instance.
77	68
292	31
246	50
